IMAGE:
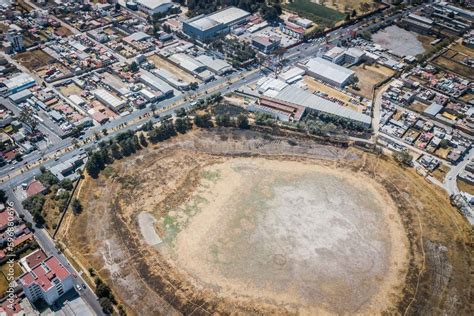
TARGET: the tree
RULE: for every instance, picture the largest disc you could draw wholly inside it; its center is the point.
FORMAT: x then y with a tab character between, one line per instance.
18	157
38	219
404	157
134	66
66	184
182	125
143	140
203	120
3	197
444	143
181	112
243	122
224	120
27	117
115	150
106	305
353	13
94	165
76	206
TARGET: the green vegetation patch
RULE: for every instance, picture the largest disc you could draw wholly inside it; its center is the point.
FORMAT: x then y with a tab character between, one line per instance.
317	13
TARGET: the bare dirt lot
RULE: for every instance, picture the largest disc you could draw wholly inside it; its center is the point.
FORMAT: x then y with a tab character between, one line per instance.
369	76
34	60
253	223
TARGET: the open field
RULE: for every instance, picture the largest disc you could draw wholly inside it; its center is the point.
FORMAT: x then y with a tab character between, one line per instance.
465	187
35	59
237	222
70	89
361	6
317	13
399	41
183	75
418	107
369	76
452	60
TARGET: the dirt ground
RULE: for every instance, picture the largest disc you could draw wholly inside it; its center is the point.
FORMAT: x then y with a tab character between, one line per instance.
465	187
369	76
34	60
173	182
452	60
70	89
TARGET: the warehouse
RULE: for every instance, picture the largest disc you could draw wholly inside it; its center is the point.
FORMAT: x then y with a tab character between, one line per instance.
109	99
156	83
151	7
216	65
20	96
19	82
328	72
204	27
312	102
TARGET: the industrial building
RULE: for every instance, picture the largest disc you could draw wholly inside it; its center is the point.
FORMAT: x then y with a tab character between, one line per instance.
340	56
19	82
48	280
216	65
20	96
151	7
328	72
204	27
152	81
312	102
171	79
109	99
192	66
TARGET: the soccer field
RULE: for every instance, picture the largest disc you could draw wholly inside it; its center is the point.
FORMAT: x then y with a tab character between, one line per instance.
317	13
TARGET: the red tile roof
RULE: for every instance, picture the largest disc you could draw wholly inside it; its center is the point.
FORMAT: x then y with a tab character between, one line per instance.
15	310
19	240
44	273
34	188
35	258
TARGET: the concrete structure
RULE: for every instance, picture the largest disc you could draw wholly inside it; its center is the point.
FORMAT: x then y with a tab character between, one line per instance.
67	169
216	65
338	55
109	99
266	44
171	79
328	72
205	27
19	82
20	96
48	280
164	89
16	40
312	102
192	66
151	7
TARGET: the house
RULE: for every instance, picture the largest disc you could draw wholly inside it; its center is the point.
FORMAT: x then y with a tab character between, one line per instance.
266	44
35	187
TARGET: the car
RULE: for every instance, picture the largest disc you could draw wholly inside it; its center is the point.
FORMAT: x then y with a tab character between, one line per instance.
84	286
78	287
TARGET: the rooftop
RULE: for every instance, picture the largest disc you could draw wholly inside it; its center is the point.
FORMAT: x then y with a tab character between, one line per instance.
44	273
301	97
152	4
329	70
229	15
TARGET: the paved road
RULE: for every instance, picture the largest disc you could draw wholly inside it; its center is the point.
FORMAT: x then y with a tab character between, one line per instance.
49	247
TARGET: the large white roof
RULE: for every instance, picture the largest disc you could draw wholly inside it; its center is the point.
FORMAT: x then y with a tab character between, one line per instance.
301	97
152	4
215	64
229	15
329	70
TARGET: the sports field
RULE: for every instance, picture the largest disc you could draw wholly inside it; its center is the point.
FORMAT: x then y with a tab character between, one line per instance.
319	14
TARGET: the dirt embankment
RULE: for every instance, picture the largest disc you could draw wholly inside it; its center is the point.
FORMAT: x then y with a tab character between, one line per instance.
106	235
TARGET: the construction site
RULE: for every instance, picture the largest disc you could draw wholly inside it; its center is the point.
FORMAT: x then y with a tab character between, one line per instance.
234	221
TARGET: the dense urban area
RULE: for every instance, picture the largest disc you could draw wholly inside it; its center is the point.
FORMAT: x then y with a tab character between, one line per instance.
236	157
